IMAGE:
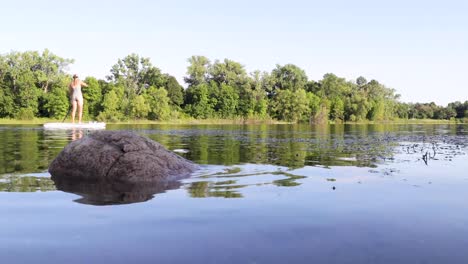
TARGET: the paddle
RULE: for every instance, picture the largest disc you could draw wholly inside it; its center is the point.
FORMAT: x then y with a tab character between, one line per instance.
66	114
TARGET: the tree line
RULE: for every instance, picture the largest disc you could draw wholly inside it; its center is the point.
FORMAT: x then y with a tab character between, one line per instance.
34	84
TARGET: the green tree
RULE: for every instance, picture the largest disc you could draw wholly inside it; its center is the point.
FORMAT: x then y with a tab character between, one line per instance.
402	110
25	77
257	106
93	96
158	102
337	109
152	76
21	81
198	102
7	104
377	111
361	81
139	108
135	73
333	86
314	104
228	72
48	69
289	105
110	107
356	106
55	105
175	91
227	102
197	71
288	77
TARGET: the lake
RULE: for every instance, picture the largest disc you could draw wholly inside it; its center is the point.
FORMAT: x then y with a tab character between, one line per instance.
264	194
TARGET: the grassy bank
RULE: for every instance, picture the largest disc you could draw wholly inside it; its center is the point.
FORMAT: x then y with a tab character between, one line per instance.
239	121
214	121
35	121
413	121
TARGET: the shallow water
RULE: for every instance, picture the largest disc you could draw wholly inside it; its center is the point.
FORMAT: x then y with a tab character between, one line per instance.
264	194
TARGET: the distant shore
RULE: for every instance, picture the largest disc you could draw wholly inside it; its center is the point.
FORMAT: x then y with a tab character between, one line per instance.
239	121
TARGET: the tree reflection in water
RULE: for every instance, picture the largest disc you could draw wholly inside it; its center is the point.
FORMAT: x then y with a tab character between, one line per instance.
28	150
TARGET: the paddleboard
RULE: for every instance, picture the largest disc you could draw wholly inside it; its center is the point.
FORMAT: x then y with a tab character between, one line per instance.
90	125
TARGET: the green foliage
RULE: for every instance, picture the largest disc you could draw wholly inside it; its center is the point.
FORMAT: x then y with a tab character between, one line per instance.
402	110
25	80
357	106
261	108
7	105
287	77
431	110
56	104
110	108
228	72
337	109
34	84
174	91
376	112
139	107
153	76
92	96
313	87
321	117
48	69
158	103
460	109
25	114
333	86
135	74
198	103
197	71
228	100
314	104
361	81
289	105
114	105
257	103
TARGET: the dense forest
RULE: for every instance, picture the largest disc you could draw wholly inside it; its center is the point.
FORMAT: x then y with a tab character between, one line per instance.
34	84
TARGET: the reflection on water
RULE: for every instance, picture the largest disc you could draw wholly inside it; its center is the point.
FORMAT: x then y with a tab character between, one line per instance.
112	193
204	189
230	182
227	183
77	133
298	194
25	183
29	149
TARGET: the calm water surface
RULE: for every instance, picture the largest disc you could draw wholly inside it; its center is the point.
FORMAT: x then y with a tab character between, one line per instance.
264	194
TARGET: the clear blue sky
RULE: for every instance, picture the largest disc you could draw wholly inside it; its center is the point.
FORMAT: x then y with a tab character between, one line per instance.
420	48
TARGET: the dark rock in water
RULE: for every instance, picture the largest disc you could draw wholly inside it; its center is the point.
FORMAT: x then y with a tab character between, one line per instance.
118	156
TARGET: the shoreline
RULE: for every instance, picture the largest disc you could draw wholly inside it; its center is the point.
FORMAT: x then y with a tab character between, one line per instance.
41	121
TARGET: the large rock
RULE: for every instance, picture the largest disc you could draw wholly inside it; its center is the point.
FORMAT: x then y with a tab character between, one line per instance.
118	156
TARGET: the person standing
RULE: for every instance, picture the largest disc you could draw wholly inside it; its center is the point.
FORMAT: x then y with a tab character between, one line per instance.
76	97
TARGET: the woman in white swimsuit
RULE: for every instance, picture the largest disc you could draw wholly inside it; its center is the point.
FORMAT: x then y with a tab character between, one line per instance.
76	97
